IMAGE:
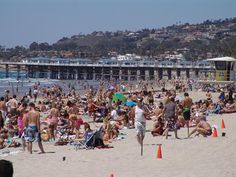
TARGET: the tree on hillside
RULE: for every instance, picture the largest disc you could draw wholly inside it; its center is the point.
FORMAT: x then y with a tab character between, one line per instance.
34	46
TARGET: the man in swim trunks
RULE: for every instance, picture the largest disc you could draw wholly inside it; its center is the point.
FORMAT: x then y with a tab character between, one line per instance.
203	128
32	128
187	104
169	113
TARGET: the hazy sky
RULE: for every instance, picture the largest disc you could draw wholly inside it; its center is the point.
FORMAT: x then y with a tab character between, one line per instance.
25	21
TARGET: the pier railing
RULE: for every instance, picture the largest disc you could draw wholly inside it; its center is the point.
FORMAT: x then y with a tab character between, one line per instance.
192	65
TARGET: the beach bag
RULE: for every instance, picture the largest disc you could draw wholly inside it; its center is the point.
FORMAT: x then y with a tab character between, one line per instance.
45	135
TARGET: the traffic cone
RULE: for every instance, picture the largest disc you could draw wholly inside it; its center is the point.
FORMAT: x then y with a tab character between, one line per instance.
222	124
159	154
111	175
214	132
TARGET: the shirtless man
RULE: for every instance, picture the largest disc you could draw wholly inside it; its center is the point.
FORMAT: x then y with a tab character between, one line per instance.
13	104
158	112
32	128
203	128
3	108
187	104
208	94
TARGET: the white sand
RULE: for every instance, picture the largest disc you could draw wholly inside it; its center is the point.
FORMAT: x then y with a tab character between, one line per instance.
198	156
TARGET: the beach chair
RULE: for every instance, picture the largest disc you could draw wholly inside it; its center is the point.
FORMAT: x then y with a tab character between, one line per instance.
85	143
62	132
94	140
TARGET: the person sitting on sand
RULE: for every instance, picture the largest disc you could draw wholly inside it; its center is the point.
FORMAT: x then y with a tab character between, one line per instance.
119	118
110	131
88	132
203	128
228	108
157	112
158	128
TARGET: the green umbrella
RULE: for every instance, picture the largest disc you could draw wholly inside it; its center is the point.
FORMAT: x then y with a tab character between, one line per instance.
118	97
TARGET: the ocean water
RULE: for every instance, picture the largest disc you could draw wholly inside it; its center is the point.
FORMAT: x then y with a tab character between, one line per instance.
22	85
12	74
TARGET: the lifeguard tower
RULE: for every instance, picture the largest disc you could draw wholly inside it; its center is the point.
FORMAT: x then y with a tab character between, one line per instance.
225	68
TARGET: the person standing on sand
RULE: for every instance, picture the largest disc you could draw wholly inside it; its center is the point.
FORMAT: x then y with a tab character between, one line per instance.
3	108
12	104
52	121
187	104
169	113
140	122
32	128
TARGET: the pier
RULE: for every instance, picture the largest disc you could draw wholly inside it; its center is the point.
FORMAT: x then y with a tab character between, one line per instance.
108	69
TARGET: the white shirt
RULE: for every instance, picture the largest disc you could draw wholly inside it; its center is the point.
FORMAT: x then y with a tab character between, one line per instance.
139	115
114	114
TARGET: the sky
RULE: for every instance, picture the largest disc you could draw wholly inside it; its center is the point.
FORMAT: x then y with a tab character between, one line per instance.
25	21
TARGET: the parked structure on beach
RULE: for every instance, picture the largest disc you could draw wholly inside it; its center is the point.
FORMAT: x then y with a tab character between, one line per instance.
85	69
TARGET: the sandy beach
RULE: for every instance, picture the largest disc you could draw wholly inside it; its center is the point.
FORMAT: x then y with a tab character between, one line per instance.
196	156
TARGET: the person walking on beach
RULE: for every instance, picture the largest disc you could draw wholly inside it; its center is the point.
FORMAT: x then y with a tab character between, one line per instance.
169	113
140	122
187	104
32	128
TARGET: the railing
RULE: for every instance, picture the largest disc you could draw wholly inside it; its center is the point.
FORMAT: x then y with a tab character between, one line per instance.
136	64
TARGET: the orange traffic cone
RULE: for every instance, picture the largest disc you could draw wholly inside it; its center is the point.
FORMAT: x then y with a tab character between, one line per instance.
111	175
159	154
214	132
222	124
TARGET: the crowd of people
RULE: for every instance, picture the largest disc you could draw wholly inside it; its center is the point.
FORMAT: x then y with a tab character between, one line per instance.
51	114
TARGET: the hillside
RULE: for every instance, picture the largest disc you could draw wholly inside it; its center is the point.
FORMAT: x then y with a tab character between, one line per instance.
195	41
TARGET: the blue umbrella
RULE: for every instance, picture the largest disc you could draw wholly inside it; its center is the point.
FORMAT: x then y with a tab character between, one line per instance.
130	103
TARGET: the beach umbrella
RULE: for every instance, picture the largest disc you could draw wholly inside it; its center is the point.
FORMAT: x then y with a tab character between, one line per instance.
130	103
118	96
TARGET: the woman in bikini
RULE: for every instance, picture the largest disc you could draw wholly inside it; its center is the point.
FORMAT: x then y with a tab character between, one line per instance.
52	121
